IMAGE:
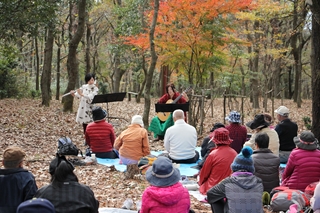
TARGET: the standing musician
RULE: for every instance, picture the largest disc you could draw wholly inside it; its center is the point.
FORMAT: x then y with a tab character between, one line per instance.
159	127
86	94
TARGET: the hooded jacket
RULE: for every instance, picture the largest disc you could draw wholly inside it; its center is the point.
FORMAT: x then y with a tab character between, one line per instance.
173	199
17	185
243	192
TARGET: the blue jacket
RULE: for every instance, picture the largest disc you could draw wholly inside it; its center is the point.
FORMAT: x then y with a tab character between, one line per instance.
16	185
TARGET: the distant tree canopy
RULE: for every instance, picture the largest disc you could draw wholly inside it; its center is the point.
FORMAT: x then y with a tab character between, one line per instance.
24	16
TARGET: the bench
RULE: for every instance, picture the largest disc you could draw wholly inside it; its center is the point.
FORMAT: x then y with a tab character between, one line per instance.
132	94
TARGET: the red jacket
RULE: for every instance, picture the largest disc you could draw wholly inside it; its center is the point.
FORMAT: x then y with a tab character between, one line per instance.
303	168
100	136
216	167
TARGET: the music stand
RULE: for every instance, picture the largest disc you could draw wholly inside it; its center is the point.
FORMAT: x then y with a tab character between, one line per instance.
172	107
110	97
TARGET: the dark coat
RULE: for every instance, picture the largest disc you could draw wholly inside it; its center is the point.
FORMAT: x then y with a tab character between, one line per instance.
69	197
286	130
17	185
266	165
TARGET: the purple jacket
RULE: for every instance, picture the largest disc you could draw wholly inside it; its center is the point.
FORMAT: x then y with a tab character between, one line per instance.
173	198
303	168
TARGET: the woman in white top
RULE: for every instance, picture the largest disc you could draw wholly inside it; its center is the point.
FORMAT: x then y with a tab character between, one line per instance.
86	92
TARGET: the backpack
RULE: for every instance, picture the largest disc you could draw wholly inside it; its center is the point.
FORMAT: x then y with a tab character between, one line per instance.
66	147
282	200
145	162
309	190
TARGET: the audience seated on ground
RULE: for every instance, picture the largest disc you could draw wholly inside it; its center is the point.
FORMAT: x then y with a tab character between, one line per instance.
17	184
237	132
166	193
303	166
133	143
242	191
266	164
180	140
217	165
207	145
100	135
65	192
260	125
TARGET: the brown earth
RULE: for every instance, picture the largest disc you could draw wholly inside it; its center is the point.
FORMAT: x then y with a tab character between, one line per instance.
36	129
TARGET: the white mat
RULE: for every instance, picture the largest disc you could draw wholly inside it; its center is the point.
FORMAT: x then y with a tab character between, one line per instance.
114	210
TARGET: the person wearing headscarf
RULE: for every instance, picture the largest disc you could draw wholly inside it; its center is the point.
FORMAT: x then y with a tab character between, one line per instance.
133	143
242	191
100	135
65	192
303	166
165	193
260	125
237	132
217	165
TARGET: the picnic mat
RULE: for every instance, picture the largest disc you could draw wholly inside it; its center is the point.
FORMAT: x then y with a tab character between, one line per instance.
185	169
114	210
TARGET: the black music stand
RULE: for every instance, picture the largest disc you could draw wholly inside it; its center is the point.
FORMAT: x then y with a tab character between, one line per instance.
110	97
172	107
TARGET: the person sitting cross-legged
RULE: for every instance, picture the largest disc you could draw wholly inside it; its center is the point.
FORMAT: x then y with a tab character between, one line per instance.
100	135
133	143
266	163
165	193
217	165
17	184
180	140
242	191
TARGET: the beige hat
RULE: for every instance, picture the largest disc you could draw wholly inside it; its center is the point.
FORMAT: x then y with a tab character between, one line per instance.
282	110
137	119
13	153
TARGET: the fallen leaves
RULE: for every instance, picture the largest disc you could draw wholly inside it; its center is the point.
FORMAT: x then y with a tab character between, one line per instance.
37	129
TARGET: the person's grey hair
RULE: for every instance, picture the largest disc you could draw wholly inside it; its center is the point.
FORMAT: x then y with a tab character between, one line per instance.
178	114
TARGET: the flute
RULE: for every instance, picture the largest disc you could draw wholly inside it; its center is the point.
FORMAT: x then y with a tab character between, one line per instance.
69	93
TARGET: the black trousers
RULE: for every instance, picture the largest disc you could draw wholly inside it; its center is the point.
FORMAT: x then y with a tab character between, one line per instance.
190	160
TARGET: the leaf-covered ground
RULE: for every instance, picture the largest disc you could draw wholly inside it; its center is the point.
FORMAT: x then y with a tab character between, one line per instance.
36	129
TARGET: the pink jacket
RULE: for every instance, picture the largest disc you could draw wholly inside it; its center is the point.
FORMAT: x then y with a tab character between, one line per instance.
303	168
173	199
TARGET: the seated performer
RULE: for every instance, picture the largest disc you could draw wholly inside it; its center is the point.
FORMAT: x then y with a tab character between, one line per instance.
159	127
180	140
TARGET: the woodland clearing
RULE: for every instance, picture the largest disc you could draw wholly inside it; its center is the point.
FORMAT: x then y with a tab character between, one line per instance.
36	129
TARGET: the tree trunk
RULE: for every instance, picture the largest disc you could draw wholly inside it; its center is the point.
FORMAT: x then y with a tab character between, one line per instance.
58	72
315	68
152	67
88	47
46	73
37	63
72	61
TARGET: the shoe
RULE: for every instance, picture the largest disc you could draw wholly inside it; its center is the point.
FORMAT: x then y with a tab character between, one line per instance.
156	139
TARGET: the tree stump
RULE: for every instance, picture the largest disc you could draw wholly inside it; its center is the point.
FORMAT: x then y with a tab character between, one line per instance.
132	170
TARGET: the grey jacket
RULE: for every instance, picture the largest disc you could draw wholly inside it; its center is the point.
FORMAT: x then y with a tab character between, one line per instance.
266	165
243	192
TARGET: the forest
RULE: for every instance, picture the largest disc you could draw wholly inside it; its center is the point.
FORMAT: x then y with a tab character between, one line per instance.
253	49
